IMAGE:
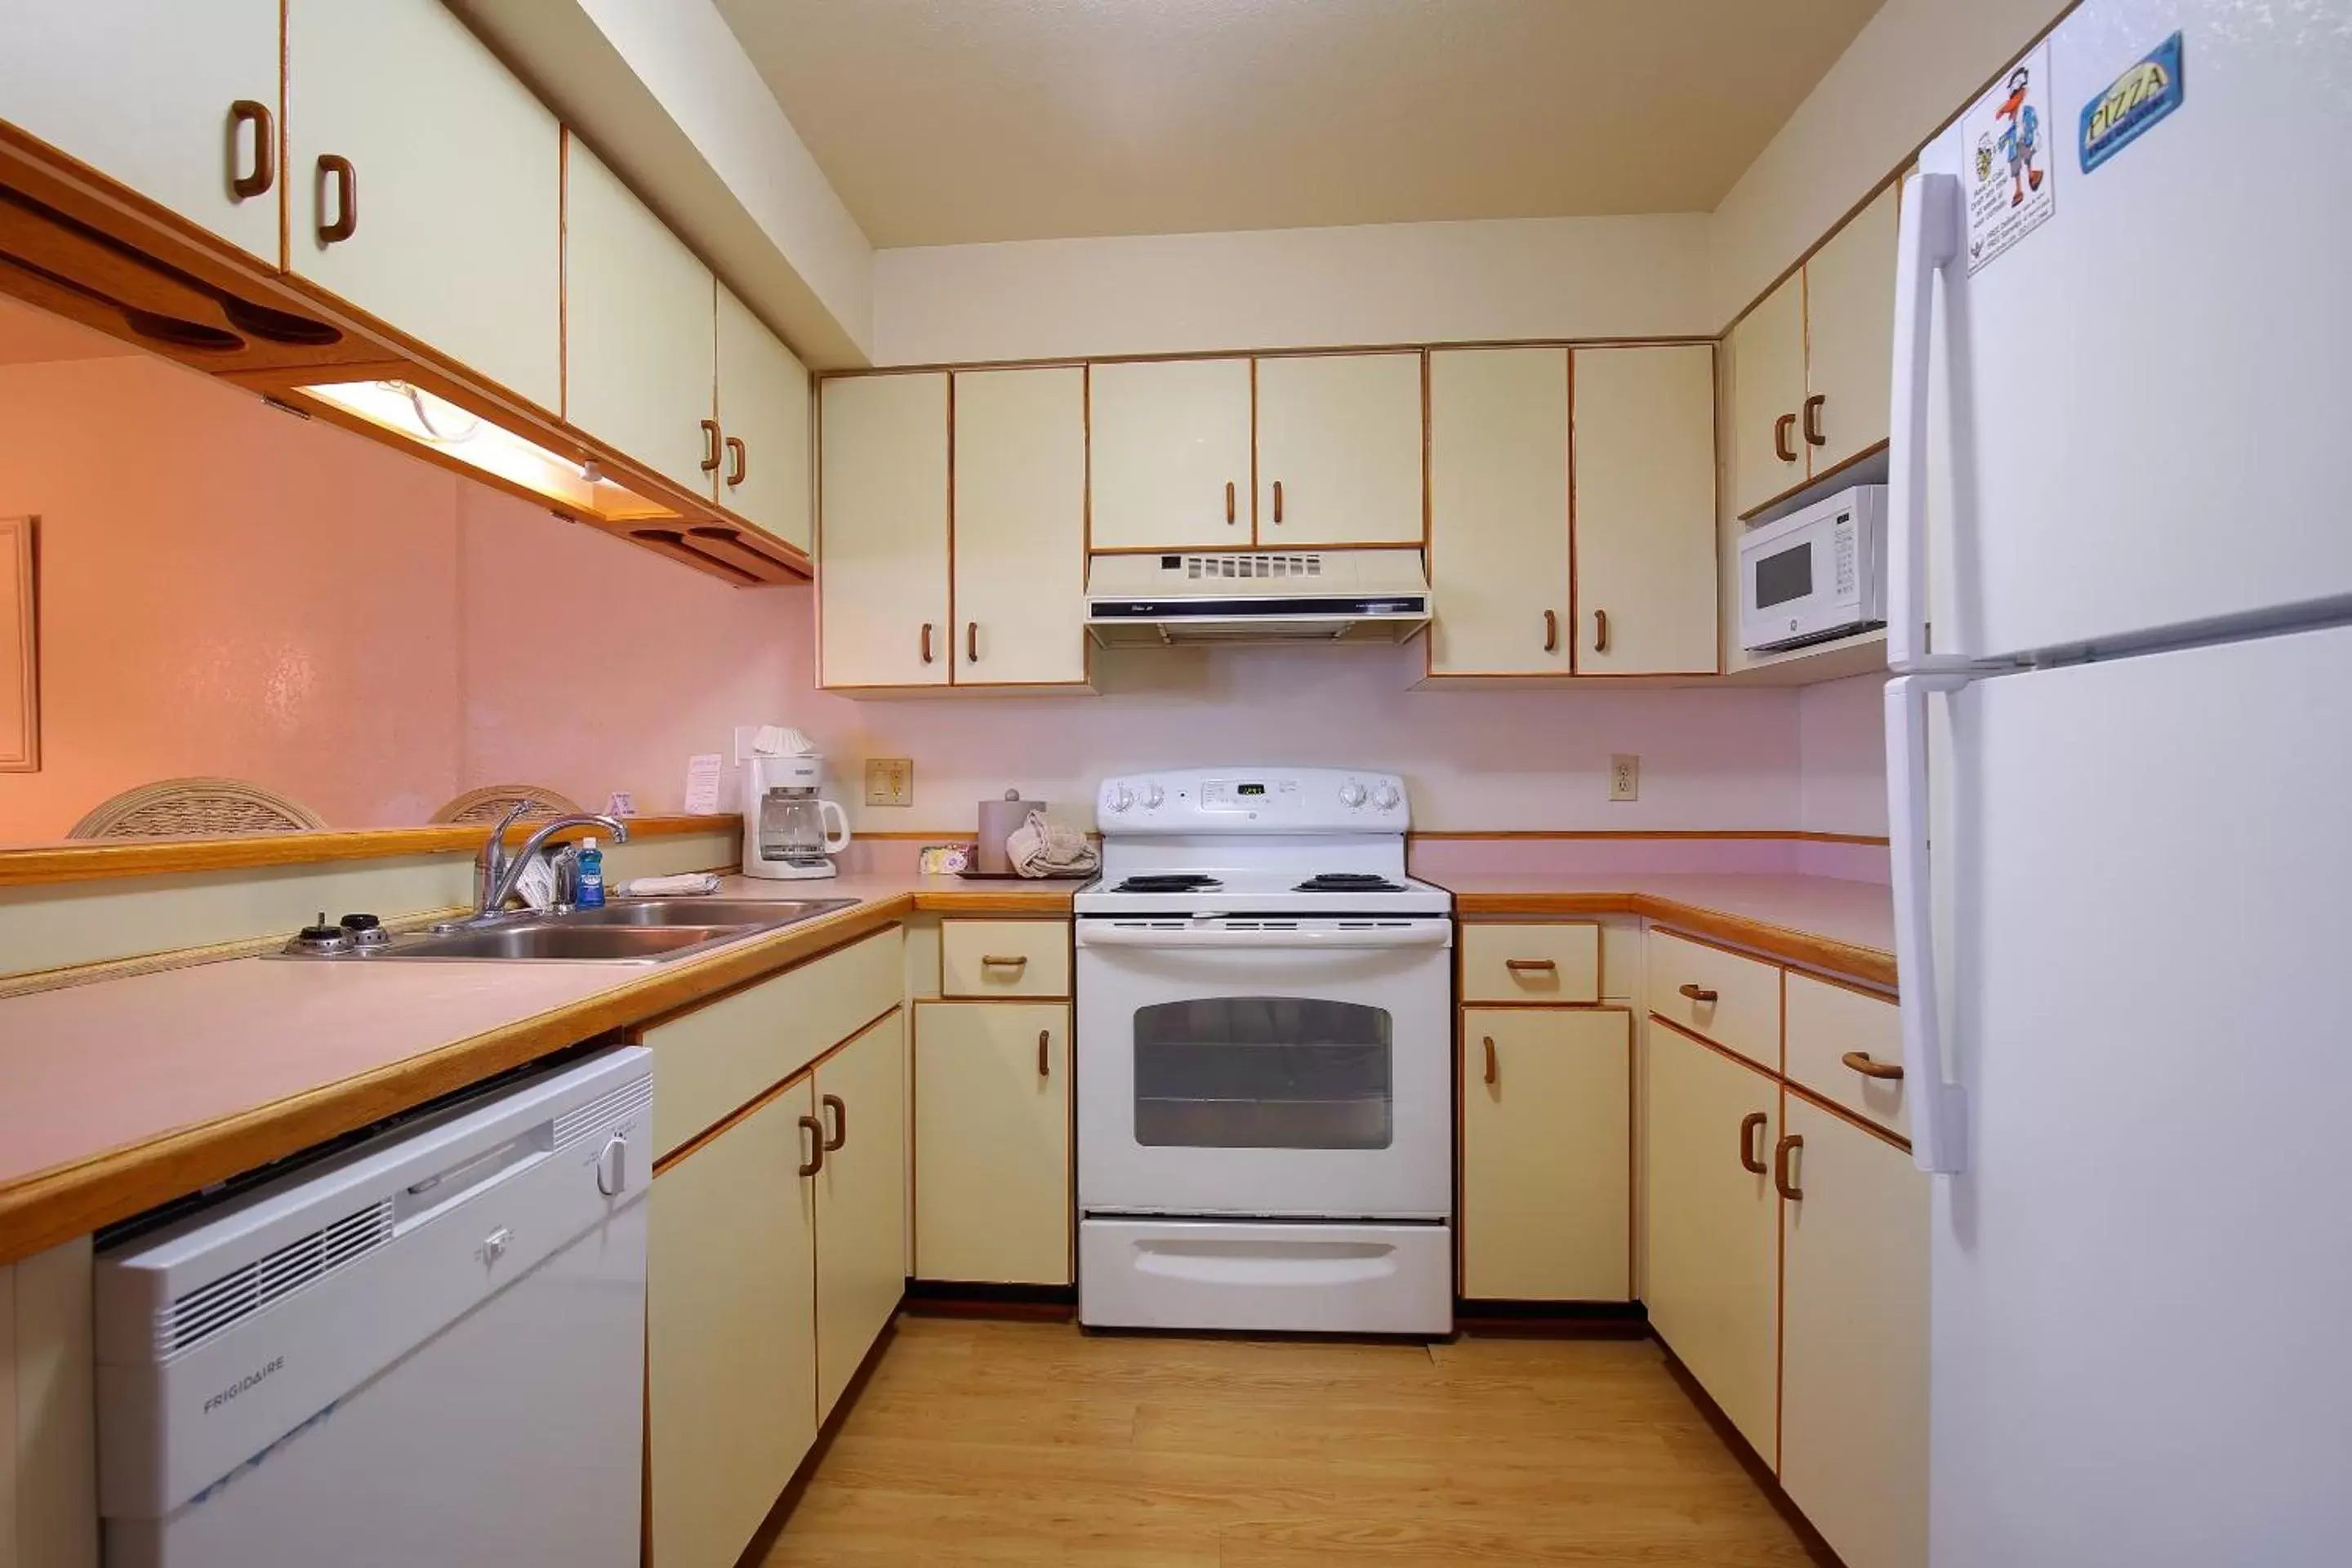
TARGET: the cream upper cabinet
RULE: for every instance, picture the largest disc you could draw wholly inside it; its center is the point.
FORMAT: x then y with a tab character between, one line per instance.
763	419
1767	350
178	101
424	186
1712	1226
861	1202
1546	1169
1850	337
730	1331
882	531
993	1199
1645	539
1171	453
1853	1391
639	357
1498	524
1020	527
1339	449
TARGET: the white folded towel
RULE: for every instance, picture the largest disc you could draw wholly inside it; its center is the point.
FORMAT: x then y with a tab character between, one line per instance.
1042	848
686	884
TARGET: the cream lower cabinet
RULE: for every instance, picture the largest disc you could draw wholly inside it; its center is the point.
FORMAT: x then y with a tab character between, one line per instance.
882	532
1853	1347
730	1331
1546	1154
1338	445
861	1202
424	184
1712	1224
68	73
763	412
1020	527
1499	520
1170	443
48	1407
993	1197
1645	525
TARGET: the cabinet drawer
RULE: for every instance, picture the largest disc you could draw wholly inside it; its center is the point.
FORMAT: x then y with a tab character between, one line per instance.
1827	1022
1531	962
1004	958
1733	1000
716	1058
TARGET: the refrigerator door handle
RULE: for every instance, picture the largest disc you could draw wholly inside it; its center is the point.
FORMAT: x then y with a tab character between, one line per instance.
1927	238
1939	1106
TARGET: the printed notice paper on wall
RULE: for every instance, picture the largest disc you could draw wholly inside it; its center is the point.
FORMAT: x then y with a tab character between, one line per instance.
2012	180
702	784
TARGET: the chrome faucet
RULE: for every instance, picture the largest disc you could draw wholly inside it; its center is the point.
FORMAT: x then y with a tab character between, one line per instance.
495	872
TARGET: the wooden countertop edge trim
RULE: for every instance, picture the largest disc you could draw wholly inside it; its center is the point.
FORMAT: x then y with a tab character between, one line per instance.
170	857
50	1206
1798	947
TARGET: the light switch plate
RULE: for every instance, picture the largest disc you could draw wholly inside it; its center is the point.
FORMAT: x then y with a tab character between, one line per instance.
1625	777
889	781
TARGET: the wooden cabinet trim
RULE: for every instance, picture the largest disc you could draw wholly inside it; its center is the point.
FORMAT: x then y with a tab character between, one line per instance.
768	1096
1862	1123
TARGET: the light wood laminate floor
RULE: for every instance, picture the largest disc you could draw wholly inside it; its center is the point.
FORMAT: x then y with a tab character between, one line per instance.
981	1441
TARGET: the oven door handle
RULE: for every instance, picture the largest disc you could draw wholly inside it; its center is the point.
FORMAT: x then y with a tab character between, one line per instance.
1431	934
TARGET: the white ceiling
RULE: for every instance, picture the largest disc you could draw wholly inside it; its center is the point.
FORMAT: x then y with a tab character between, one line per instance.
950	121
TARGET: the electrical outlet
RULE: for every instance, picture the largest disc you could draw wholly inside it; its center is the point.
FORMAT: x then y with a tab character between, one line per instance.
889	781
1625	777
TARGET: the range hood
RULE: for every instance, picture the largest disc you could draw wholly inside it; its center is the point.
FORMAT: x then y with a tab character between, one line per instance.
1257	596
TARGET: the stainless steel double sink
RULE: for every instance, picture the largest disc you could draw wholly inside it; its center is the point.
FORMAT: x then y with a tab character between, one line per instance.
642	931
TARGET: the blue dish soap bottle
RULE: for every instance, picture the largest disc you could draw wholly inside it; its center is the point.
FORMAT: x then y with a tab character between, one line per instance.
591	875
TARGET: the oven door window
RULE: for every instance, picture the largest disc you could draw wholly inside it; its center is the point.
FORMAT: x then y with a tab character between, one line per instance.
1785	577
1263	1072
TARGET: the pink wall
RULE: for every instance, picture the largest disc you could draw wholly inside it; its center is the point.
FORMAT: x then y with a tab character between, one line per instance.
226	589
1842	745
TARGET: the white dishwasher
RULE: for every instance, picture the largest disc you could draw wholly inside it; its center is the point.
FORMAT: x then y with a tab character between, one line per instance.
427	1348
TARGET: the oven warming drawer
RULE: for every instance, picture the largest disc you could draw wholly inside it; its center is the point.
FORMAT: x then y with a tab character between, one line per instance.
1301	1277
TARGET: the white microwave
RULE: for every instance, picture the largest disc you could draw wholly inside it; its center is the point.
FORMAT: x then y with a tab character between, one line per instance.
1816	573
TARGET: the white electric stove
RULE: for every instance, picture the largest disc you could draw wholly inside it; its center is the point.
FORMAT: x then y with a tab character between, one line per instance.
1264	1059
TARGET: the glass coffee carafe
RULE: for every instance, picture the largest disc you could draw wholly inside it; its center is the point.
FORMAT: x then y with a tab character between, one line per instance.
793	830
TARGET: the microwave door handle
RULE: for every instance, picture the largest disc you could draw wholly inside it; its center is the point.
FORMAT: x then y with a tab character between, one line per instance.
1939	1106
1926	239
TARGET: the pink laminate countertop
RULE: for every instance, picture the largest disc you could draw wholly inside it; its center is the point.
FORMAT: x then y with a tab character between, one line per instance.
121	1094
1823	922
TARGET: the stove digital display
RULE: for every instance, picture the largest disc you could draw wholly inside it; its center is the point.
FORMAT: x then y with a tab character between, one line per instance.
1249	789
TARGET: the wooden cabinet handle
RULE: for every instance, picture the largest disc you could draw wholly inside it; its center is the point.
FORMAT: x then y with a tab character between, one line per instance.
1044	1053
1538	965
1600	631
1813	437
243	112
1781	1152
833	1102
972	642
815	1131
927	642
1278	500
1750	1125
338	172
742	464
1229	503
1780	429
1489	1041
992	961
1697	993
710	444
1551	631
1860	1062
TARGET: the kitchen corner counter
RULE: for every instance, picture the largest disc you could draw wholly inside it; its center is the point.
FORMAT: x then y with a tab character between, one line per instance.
1819	922
121	1094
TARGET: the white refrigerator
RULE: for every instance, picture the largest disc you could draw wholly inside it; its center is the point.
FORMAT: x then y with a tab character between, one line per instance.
2120	776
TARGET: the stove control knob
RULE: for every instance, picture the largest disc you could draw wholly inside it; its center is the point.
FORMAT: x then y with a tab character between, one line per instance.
1153	795
1120	797
1387	797
1352	795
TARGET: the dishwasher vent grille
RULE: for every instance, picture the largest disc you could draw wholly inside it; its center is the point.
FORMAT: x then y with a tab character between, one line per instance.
211	1309
632	1099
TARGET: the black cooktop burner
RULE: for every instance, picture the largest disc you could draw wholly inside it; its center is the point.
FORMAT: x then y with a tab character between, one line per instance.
1349	882
1169	882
